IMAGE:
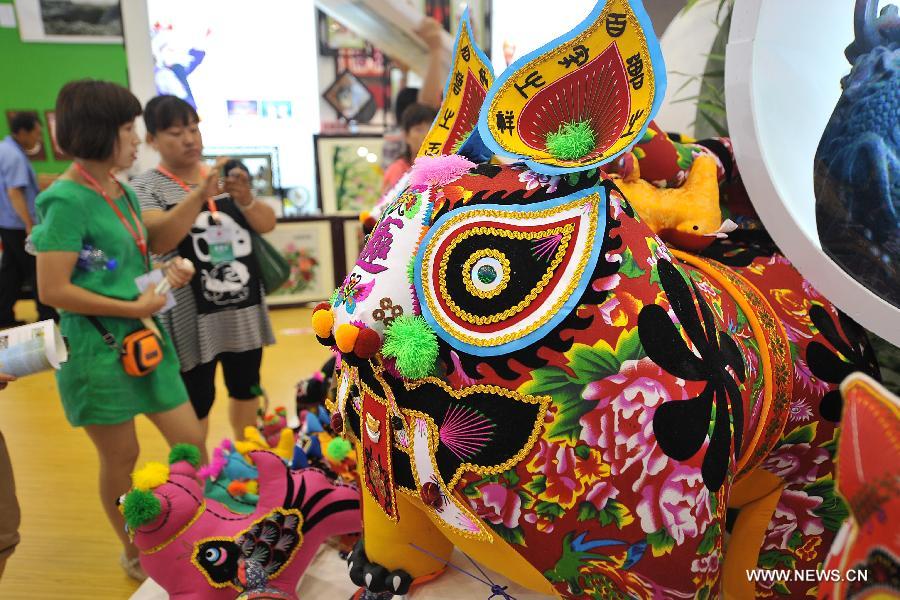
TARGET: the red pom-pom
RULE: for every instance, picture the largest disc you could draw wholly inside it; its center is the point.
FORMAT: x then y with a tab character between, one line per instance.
337	423
368	343
322	306
431	495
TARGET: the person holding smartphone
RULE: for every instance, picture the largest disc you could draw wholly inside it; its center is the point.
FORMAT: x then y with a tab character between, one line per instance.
87	207
222	316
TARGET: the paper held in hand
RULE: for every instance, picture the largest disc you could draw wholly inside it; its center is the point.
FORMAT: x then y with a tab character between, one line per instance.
31	349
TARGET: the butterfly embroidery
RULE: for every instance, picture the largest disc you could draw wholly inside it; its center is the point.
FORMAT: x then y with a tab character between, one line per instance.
352	291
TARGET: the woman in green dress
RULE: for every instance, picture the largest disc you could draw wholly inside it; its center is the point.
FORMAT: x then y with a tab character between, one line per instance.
88	208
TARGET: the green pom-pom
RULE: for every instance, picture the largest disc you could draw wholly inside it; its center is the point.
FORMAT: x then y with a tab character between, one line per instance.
141	507
186	452
413	344
338	449
571	141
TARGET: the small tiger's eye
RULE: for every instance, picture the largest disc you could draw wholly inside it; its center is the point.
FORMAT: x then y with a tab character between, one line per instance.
487	274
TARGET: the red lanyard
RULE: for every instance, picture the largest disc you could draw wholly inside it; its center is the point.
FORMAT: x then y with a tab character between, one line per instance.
210	203
135	230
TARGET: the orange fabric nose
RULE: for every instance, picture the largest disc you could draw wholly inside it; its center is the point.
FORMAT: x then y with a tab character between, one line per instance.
345	337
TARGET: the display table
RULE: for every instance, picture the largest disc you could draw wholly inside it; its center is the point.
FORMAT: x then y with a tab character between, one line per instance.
327	578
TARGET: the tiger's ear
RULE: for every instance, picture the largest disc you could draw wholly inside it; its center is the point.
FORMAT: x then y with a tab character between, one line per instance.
454	130
583	99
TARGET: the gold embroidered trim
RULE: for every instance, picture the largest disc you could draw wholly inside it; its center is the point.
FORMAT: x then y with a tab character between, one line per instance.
377	369
566	232
542	401
593	200
774	350
470	262
284	511
446	490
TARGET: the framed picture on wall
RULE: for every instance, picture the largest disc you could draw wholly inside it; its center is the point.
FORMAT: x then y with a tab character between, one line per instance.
334	36
70	21
348	172
350	98
38	152
50	117
306	245
353	242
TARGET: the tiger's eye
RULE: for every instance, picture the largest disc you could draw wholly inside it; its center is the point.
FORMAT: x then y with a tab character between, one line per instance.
487	274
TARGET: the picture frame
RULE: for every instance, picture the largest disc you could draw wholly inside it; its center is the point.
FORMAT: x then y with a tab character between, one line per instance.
50	118
354	239
350	98
307	246
39	152
348	172
261	161
70	21
333	35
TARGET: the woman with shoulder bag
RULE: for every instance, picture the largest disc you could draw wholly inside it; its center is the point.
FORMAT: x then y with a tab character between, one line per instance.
92	245
222	316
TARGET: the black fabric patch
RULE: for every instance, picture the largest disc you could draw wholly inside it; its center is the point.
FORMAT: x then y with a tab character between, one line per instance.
831	368
681	426
402	469
526	271
512	424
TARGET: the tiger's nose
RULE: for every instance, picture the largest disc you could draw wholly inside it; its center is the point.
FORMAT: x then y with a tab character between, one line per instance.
362	341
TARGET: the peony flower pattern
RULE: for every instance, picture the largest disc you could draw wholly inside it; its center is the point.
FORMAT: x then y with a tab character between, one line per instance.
681	427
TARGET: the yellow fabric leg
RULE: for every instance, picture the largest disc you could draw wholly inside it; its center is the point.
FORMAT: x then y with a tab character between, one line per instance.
751	487
388	543
743	547
500	557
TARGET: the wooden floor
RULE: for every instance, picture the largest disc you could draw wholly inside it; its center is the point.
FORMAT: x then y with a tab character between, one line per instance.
68	548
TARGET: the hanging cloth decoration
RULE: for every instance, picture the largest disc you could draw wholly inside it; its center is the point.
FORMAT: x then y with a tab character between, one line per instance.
584	98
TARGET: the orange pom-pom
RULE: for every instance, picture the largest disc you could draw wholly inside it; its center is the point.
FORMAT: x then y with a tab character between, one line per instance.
322	322
368	343
364	216
237	488
345	337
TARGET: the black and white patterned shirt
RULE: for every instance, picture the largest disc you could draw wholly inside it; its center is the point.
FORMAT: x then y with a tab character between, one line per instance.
223	309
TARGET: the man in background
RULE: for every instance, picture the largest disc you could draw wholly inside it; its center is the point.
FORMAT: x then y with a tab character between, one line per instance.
18	188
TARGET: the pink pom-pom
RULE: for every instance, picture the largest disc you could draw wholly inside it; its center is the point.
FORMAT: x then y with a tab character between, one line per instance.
438	171
214	468
319	376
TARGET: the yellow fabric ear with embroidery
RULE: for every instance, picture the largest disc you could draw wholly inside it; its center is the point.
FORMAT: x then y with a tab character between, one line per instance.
454	128
584	98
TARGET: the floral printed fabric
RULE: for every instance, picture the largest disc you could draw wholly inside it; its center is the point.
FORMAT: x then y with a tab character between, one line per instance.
604	503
